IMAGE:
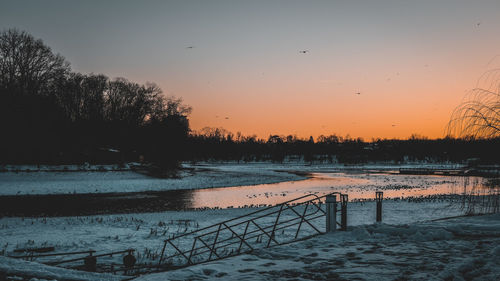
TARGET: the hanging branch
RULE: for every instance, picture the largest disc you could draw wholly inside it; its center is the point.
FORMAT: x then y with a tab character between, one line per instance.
478	116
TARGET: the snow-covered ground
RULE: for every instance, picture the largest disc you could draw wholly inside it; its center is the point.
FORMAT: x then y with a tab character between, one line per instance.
322	167
261	175
43	182
409	246
466	248
16	269
68	168
145	232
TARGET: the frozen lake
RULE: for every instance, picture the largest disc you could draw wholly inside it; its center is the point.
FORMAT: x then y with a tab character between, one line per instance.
214	186
358	185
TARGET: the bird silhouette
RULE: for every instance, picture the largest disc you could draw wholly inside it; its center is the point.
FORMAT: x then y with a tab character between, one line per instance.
304	51
358	93
189	47
227	117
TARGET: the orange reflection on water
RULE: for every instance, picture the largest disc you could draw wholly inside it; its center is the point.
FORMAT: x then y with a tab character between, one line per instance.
358	186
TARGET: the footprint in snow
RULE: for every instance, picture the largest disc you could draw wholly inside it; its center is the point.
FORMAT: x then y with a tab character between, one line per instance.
208	271
246	270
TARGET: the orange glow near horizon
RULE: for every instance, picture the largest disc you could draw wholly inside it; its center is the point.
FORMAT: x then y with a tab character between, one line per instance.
394	105
411	61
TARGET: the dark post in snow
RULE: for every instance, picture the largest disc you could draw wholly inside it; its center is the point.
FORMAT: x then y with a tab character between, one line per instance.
343	211
129	260
331	213
379	195
90	263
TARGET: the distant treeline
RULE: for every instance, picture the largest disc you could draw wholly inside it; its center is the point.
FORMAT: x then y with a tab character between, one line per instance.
218	144
49	114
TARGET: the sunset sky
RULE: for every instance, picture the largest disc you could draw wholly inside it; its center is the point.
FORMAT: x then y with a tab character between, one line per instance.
410	61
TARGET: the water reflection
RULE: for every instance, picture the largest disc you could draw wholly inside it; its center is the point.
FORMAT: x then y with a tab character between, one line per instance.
358	186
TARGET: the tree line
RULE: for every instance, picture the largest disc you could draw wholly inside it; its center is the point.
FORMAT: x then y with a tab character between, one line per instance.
50	114
219	144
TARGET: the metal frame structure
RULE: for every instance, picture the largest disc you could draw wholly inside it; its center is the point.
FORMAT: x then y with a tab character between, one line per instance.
31	256
88	254
276	225
290	221
231	237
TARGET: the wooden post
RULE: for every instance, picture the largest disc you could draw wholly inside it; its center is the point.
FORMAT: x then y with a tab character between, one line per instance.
379	195
331	213
343	211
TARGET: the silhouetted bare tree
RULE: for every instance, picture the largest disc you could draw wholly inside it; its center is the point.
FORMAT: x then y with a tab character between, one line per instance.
27	65
49	114
174	106
29	115
129	102
478	116
82	97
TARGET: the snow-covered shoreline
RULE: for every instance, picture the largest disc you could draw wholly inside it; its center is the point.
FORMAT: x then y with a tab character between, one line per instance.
146	231
74	179
407	245
82	182
466	248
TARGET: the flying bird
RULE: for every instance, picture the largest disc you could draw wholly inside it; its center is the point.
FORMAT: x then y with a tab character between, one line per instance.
227	117
304	51
358	93
189	47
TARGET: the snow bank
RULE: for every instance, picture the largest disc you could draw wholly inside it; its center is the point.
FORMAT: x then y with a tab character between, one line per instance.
443	250
427	250
146	231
